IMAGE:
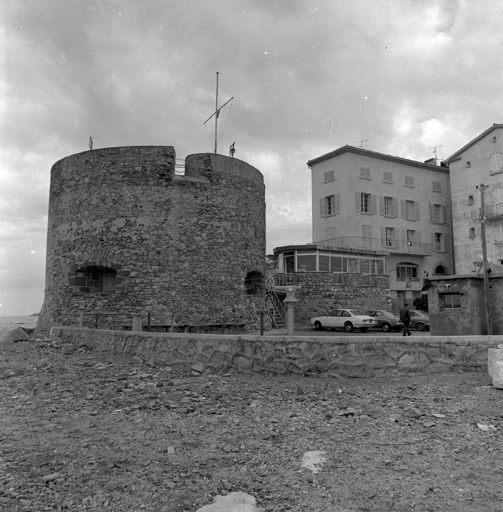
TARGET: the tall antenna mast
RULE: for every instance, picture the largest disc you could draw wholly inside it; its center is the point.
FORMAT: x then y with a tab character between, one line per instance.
216	114
435	151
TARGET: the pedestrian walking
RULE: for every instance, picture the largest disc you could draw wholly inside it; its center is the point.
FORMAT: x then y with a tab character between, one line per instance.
405	319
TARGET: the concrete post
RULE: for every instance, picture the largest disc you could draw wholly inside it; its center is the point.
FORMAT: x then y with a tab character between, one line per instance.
290	308
81	318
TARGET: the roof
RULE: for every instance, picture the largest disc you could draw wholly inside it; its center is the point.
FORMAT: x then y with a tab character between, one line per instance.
375	154
495	126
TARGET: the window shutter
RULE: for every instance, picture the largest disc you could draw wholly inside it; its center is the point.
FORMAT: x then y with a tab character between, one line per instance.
381	204
445	215
373	203
431	212
416	210
433	241
383	236
322	207
447	243
499	162
395	207
337	203
403	211
404	237
358	202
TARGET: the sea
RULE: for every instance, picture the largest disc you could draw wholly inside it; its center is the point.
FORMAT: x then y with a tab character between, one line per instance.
22	321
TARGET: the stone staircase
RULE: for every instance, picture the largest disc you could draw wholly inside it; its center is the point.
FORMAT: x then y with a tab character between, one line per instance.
275	307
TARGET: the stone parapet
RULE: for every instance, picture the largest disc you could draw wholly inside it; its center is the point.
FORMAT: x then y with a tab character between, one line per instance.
344	356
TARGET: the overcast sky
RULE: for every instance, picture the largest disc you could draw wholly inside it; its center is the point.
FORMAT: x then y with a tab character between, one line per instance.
307	76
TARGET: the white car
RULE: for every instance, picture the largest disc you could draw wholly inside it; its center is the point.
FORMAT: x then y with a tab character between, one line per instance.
348	319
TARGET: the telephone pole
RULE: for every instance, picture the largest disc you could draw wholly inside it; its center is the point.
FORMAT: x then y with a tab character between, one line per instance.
487	305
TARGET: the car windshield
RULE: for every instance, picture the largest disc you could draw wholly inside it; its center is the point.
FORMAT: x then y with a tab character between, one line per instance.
357	312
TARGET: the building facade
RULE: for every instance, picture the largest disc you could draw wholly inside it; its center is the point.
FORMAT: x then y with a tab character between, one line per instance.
478	163
397	208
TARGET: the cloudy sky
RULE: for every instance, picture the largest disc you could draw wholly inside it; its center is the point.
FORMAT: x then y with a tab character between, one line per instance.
307	76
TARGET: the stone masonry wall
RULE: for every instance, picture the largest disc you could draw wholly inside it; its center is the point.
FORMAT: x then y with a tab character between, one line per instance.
282	355
323	291
126	236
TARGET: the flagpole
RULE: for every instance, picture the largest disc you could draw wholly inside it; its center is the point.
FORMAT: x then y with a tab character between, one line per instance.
216	116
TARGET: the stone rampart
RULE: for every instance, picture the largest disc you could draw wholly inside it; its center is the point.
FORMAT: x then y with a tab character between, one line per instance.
345	356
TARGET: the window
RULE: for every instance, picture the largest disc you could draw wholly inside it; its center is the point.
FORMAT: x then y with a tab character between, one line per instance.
365	203
389	237
496	163
388	177
409	181
470	200
365	173
306	262
254	283
388	206
437	245
498	232
472	233
405	272
410	209
451	301
468	164
437	186
439	214
495	203
411	235
329	205
329	176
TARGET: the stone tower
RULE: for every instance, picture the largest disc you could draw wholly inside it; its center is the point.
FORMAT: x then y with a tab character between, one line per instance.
127	235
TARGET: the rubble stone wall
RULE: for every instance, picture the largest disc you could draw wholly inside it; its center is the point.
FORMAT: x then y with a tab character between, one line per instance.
127	236
323	291
281	355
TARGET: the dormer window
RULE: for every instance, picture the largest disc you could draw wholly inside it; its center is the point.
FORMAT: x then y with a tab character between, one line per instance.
468	164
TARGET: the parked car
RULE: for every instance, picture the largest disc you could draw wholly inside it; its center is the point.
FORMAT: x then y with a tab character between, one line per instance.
348	319
386	320
419	320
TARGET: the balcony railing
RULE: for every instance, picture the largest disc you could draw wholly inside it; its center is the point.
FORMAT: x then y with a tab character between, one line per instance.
493	211
377	245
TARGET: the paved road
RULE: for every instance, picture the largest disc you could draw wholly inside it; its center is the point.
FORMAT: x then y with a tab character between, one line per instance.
311	331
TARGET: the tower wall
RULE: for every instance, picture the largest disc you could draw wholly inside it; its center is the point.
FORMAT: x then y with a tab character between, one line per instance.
126	235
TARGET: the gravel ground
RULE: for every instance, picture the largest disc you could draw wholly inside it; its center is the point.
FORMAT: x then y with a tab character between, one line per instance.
82	430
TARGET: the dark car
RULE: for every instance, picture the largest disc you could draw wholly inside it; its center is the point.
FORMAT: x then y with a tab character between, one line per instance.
419	320
386	320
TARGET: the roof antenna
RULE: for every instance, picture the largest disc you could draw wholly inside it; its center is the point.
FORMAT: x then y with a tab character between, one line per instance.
435	151
91	143
232	150
216	114
361	142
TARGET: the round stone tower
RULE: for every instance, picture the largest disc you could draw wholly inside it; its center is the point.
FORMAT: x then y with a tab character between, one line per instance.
128	236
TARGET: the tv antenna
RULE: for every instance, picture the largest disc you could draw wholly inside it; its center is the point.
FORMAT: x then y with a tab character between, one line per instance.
217	114
361	142
435	151
91	143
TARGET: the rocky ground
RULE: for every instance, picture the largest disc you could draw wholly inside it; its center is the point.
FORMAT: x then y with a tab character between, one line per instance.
81	430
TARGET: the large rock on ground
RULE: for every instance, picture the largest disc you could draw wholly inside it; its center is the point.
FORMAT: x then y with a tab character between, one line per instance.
495	366
233	502
10	333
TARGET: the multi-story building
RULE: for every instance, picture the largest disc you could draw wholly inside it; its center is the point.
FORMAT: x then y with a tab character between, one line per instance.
476	169
369	202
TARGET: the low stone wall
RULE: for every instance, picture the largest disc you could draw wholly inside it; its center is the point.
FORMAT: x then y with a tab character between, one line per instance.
345	356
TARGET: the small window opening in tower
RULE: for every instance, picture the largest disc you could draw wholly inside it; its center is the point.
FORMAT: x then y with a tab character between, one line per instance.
255	283
93	279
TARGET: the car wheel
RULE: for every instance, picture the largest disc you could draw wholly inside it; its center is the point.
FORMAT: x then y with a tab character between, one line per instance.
318	326
385	327
349	327
363	329
420	326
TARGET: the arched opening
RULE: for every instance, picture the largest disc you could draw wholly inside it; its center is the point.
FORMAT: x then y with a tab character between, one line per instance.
254	283
439	269
93	279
